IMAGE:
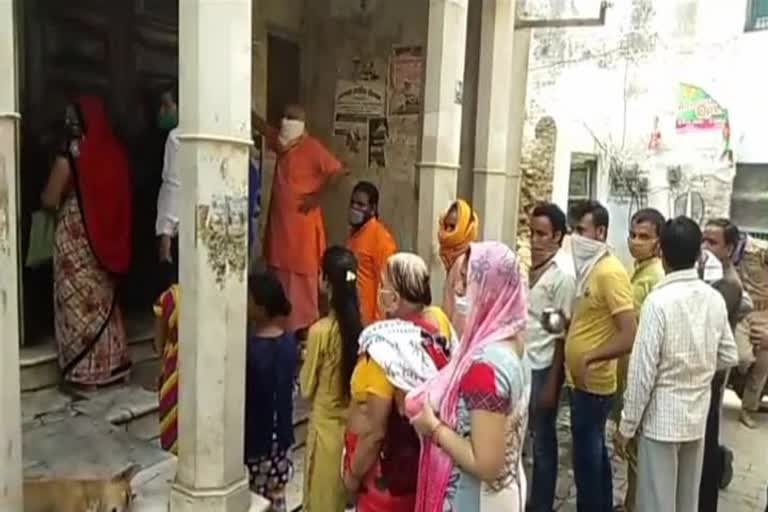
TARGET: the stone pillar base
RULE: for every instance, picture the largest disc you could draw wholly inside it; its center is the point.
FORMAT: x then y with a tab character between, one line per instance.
234	498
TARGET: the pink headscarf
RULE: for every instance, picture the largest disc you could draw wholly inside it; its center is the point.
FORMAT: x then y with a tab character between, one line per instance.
497	312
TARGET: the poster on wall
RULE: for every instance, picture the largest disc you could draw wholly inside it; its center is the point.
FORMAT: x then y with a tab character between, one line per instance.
406	76
356	101
697	110
352	130
360	98
378	134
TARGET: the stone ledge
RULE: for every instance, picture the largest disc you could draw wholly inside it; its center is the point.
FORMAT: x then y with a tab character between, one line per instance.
118	405
44	351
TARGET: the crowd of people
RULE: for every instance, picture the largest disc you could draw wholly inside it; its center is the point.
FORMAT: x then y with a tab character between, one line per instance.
420	407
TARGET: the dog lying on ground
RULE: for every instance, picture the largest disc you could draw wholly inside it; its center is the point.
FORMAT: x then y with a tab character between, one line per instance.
63	495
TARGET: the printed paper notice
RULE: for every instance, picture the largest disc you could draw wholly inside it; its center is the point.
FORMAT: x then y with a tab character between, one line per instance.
406	75
378	135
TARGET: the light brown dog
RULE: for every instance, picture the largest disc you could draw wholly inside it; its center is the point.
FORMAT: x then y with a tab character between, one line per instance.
62	495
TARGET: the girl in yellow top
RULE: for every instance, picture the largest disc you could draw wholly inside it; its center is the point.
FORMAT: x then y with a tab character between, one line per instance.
329	361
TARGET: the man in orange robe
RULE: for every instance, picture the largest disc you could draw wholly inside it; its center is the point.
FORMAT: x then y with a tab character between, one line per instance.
294	239
372	244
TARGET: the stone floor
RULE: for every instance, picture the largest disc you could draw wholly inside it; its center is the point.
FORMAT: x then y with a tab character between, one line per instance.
747	492
80	435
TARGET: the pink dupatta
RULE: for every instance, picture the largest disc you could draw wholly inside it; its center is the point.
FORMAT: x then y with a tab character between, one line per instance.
497	312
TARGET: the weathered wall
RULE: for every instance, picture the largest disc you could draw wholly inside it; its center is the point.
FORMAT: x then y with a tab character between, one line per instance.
340	39
606	86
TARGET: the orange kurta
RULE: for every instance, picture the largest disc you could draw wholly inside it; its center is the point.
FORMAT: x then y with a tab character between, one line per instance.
294	242
373	245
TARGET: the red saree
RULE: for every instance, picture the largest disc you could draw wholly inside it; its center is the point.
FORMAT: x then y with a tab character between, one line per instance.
92	244
390	485
103	182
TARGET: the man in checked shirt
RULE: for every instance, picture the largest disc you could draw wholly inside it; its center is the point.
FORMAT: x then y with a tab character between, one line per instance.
683	338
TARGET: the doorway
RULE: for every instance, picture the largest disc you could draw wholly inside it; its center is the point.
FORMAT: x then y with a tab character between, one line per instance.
283	75
124	51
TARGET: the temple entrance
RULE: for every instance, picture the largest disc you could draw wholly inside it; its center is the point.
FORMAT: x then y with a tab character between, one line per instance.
124	51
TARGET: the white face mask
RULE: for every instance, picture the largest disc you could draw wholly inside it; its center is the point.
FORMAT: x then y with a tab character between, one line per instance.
586	252
713	269
290	130
461	304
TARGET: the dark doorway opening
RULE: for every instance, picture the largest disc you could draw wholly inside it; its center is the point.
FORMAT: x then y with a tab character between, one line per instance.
283	76
125	51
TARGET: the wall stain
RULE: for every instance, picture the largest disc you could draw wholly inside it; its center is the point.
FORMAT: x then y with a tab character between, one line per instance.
5	247
224	168
222	227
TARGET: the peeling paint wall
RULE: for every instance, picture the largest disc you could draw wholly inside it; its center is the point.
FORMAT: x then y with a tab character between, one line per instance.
605	87
337	34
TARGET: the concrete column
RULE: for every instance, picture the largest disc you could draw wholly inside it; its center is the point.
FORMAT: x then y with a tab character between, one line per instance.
521	47
493	119
441	131
215	109
10	397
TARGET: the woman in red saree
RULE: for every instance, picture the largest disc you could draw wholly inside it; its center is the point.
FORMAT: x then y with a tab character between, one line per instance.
90	189
381	449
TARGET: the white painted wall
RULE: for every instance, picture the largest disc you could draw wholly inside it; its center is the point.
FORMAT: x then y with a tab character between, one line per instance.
697	41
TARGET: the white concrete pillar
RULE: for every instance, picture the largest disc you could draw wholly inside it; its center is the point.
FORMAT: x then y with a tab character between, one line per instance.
441	132
215	113
493	116
10	394
521	46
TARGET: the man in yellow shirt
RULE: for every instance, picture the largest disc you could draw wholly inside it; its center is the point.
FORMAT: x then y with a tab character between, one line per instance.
602	330
644	232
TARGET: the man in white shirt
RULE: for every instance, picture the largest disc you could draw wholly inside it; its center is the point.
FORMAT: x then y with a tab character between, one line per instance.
683	338
551	286
167	224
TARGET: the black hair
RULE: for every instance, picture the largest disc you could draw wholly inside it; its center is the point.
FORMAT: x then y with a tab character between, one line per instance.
339	267
600	217
651	216
731	231
370	190
171	88
681	243
81	118
555	215
266	291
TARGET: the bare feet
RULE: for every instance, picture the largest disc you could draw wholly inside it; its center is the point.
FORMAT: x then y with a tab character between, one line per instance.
747	420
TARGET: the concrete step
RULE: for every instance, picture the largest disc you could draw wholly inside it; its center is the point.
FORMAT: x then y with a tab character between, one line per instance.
39	359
